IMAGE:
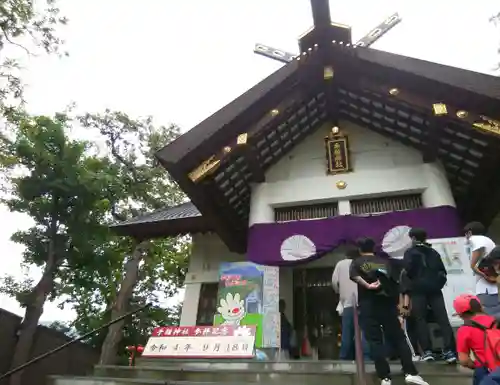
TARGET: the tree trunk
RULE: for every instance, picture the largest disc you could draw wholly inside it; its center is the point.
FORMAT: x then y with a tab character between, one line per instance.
109	350
34	310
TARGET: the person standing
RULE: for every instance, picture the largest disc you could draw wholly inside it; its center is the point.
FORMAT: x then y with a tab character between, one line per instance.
348	294
480	248
399	275
427	274
378	312
286	330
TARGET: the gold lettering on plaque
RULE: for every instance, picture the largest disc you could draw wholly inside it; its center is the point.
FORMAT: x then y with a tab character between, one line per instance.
204	168
337	156
488	124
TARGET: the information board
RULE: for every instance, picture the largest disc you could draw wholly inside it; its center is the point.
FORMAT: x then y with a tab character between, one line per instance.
460	276
201	342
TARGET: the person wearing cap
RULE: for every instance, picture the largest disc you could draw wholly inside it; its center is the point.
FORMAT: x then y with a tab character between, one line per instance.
472	339
480	248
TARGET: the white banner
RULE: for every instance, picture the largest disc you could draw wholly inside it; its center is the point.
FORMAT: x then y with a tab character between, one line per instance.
201	342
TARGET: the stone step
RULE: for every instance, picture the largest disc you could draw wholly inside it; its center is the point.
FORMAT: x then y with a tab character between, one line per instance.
275	374
293	366
346	379
63	380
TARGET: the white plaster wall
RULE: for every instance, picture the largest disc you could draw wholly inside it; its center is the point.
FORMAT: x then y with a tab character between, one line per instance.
381	167
208	251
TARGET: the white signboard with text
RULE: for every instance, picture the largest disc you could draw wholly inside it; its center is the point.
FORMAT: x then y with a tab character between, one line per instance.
460	276
201	342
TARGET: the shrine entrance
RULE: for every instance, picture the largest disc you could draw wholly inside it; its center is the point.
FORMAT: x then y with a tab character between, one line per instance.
314	312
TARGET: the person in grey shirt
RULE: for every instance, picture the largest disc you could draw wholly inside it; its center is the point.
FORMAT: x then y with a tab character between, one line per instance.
348	294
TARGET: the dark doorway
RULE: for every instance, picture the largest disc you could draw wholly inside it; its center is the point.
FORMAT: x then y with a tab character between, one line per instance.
314	307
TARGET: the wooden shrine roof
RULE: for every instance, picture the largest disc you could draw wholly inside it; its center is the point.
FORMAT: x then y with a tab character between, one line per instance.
170	221
216	162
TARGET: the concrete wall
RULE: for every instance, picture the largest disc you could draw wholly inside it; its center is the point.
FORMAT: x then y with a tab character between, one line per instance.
76	359
382	167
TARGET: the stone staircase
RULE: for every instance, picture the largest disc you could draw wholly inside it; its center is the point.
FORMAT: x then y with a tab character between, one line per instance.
211	372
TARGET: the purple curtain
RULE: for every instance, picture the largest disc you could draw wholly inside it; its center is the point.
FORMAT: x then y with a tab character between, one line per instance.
295	242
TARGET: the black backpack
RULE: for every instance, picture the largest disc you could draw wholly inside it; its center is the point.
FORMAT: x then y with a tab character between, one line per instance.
430	276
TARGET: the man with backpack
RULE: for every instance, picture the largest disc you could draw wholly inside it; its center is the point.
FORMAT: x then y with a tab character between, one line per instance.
427	274
480	336
378	296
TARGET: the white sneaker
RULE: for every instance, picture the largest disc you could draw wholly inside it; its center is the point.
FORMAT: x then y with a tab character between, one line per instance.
386	381
415	380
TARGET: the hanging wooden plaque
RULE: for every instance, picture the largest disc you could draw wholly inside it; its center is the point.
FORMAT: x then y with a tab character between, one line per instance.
337	154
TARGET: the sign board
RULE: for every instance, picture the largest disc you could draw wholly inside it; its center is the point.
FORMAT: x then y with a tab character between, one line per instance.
201	342
337	155
461	279
248	295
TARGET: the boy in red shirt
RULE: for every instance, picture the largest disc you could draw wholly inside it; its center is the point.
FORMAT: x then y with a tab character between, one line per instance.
471	339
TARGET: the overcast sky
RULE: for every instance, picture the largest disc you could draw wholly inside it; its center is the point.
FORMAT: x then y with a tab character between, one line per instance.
180	61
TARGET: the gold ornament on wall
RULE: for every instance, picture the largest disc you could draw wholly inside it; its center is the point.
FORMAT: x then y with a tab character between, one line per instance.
328	73
341	185
439	109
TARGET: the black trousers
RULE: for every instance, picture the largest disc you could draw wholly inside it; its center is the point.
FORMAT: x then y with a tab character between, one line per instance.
420	303
378	318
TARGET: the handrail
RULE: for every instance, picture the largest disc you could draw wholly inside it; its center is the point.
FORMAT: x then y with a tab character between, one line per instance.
64	346
359	354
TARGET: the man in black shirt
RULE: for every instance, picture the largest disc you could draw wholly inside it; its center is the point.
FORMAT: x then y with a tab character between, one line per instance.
427	274
378	296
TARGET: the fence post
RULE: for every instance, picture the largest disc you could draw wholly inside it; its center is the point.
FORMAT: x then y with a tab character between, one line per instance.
360	358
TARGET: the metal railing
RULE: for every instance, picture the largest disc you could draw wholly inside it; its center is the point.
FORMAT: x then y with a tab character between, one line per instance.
64	346
359	353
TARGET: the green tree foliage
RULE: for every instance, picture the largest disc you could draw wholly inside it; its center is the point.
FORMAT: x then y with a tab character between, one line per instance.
29	26
129	271
64	190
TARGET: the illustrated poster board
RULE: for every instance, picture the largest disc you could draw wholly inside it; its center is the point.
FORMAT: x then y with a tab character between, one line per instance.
248	295
461	279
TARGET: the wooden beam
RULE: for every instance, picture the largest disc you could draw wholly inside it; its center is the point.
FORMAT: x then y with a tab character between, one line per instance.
484	187
321	13
434	134
258	173
207	207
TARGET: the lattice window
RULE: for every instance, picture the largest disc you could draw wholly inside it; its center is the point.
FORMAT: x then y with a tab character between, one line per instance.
386	204
207	304
296	213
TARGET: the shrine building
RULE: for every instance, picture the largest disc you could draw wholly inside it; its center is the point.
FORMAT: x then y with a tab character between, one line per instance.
343	141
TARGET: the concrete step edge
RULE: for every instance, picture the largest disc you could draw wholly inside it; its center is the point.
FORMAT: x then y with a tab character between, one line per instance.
100	378
429	371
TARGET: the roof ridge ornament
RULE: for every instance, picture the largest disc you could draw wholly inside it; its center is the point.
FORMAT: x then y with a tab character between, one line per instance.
366	41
